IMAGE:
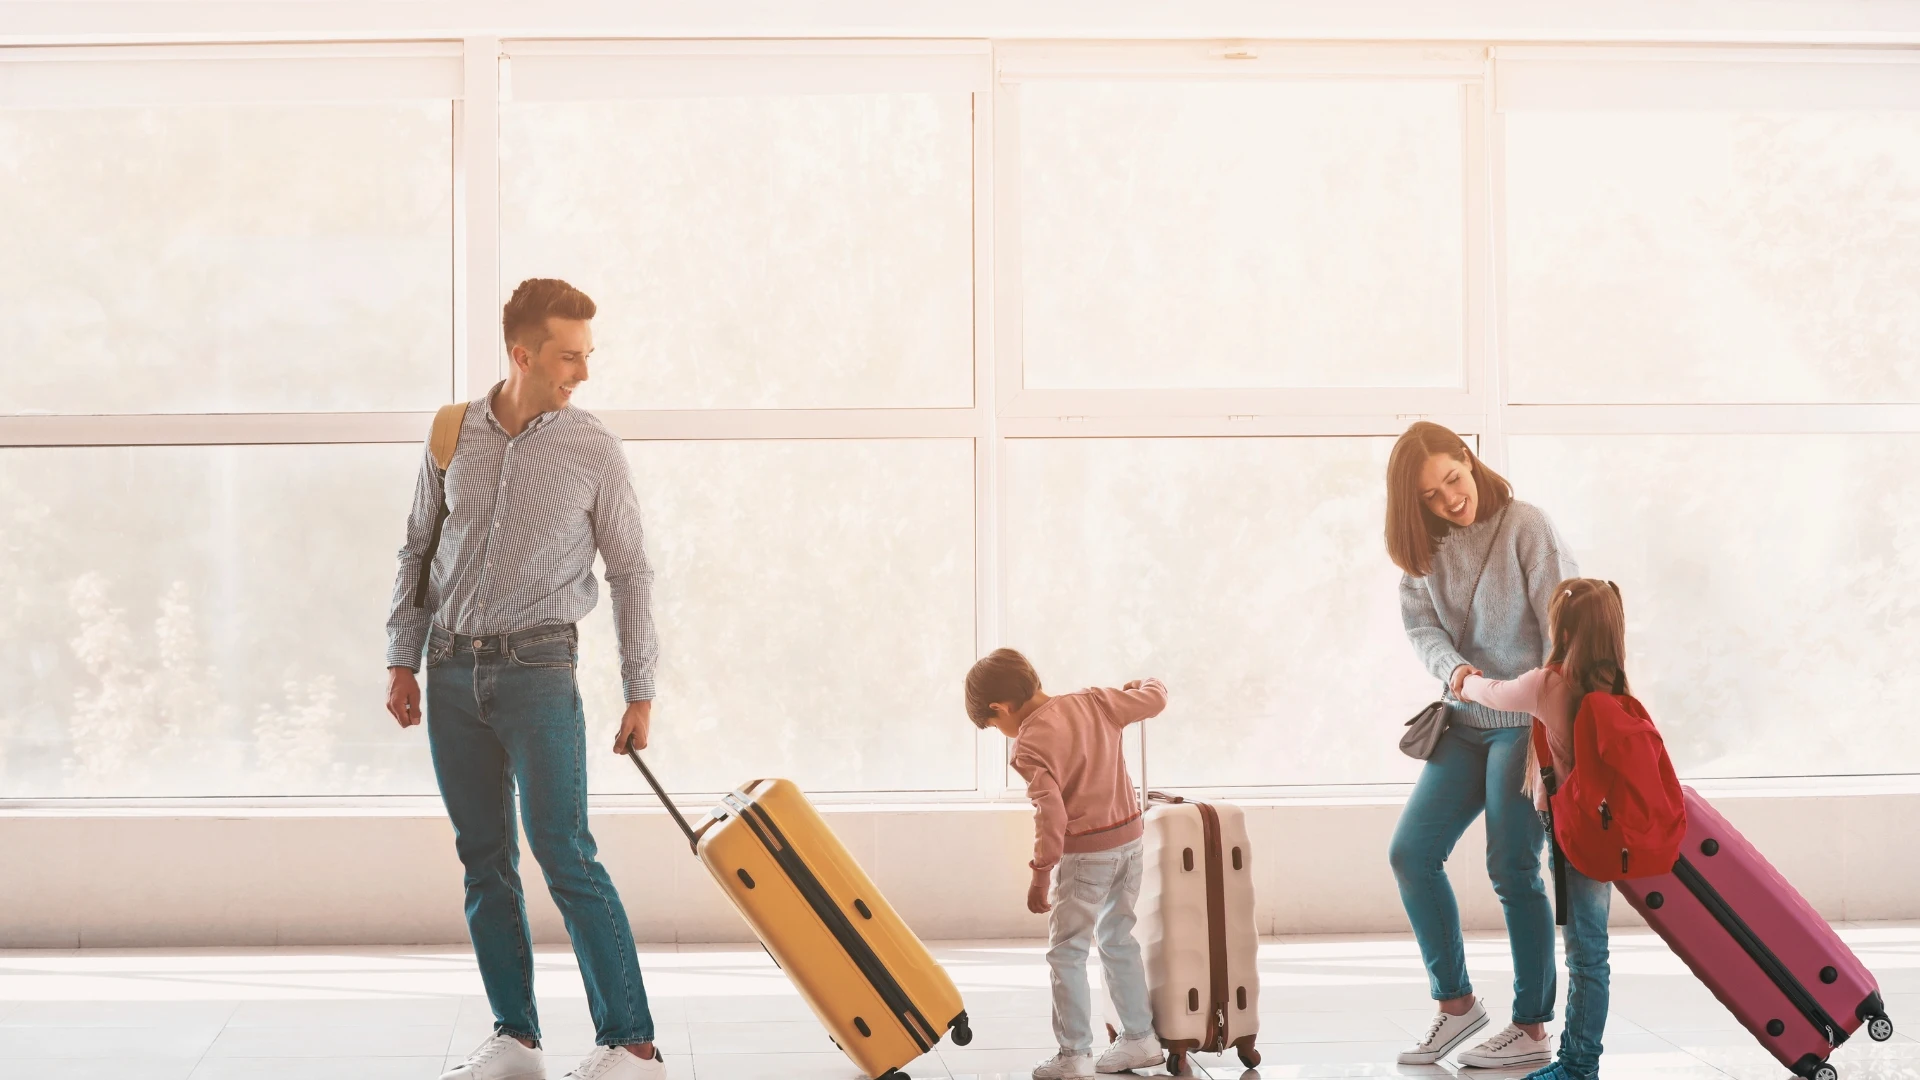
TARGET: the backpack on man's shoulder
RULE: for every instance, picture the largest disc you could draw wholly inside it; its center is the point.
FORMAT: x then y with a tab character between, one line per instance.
442	441
1619	812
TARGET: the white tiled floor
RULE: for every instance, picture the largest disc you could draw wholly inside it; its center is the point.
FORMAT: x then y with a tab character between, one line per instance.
1329	1007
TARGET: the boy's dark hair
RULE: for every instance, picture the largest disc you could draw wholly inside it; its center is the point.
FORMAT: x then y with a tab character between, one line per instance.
1003	677
534	301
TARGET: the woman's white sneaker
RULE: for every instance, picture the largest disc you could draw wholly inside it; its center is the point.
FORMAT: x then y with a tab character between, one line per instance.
501	1057
1065	1066
1126	1055
1511	1049
1446	1032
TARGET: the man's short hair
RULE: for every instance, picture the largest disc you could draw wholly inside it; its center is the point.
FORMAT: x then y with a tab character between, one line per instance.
534	301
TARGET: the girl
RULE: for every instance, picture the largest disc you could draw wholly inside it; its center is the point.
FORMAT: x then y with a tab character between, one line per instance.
1589	656
1479	570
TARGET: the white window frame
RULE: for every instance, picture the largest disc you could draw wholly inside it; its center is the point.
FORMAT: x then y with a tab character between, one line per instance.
478	73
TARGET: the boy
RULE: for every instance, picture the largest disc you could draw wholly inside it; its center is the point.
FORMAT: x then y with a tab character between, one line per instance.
1087	822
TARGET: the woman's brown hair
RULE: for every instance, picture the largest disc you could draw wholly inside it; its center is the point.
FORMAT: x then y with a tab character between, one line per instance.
1413	532
1589	636
1002	677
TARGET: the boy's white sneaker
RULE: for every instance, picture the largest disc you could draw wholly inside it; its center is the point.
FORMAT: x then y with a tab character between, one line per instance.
501	1057
1126	1055
1065	1066
619	1063
1446	1032
1511	1049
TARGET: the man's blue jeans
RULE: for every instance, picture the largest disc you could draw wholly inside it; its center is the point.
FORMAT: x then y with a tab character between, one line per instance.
504	713
1474	770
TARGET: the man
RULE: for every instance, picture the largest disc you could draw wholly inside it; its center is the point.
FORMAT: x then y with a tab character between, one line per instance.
534	487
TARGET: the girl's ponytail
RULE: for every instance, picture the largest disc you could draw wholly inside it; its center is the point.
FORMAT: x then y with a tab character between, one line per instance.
1589	626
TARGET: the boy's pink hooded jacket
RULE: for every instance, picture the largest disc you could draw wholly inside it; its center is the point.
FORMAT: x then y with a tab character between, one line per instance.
1069	753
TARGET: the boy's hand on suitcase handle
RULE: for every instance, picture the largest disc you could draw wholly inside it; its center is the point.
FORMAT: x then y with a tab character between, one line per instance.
634	724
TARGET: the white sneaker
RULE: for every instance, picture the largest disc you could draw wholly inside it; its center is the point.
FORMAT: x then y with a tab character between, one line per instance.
501	1057
1126	1055
620	1063
1447	1032
1511	1049
1065	1066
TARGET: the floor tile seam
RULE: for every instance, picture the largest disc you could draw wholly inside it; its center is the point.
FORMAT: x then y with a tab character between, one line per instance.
208	1049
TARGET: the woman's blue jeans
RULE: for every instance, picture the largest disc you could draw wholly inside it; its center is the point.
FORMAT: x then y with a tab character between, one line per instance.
1474	770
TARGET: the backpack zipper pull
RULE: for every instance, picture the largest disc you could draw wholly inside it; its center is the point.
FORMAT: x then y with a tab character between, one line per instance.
1606	816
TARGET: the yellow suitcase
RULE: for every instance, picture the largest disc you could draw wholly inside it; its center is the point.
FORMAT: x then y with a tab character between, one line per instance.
882	997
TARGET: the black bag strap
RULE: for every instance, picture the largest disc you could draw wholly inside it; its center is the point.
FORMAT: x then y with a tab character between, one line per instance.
1550	783
441	443
1466	617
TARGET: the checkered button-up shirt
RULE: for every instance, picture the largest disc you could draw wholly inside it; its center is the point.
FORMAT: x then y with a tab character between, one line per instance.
525	516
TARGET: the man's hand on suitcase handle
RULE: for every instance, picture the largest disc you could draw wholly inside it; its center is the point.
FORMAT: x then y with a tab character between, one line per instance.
634	724
403	696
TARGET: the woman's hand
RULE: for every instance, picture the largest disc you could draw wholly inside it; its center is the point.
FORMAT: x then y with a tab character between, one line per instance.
1459	678
1037	897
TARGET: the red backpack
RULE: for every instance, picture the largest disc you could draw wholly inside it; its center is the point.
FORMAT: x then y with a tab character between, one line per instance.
1619	813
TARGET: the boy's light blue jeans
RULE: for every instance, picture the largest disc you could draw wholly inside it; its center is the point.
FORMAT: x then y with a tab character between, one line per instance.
1093	898
1476	769
504	714
1588	974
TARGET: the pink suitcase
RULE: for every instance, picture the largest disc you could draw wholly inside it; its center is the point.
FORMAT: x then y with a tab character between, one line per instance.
1759	946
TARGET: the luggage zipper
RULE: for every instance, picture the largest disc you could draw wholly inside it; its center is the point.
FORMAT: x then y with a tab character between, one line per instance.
1737	927
1216	927
837	923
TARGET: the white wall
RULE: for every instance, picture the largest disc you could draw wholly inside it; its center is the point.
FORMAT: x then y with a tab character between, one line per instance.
316	877
1802	21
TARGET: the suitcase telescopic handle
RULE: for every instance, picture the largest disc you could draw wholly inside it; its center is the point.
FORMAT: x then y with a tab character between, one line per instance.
1143	766
652	782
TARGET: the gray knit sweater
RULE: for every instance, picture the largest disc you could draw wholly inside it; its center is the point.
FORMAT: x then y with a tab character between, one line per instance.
1506	631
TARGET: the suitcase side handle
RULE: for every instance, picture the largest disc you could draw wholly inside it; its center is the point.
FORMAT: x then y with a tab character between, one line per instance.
693	839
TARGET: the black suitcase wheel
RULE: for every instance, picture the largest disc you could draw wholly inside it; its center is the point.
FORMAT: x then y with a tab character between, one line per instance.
1177	1063
962	1035
1826	1072
1879	1028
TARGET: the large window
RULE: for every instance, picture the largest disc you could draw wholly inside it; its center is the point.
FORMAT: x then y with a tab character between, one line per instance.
765	251
1291	232
1713	283
924	347
227	257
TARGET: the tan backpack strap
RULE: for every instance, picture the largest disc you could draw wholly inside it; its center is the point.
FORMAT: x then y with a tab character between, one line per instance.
446	433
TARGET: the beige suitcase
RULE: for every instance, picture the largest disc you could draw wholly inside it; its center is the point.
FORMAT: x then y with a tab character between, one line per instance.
1196	927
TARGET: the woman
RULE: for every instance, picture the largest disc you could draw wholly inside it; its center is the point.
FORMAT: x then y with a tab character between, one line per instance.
1480	567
